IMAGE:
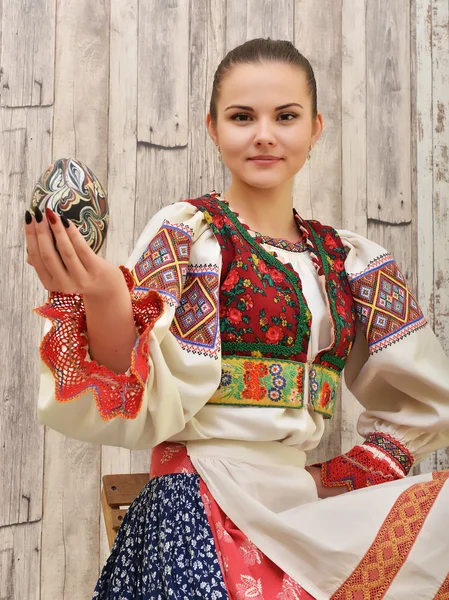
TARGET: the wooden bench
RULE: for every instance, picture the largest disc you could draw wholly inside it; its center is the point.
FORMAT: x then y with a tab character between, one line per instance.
117	494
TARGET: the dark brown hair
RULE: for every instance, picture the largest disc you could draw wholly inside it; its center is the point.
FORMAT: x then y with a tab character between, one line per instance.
258	51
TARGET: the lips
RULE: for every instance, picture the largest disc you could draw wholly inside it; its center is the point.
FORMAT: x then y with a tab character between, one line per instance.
267	159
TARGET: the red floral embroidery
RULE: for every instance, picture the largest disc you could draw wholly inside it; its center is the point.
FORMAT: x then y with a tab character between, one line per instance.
230	280
276	276
246	298
341	310
253	372
326	393
330	241
339	264
263	268
218	221
234	315
300	381
274	334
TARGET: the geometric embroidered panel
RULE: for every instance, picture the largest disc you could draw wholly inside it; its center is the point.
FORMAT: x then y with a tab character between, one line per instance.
196	325
163	265
395	539
385	306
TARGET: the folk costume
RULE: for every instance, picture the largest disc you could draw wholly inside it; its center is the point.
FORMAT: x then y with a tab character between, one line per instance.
242	342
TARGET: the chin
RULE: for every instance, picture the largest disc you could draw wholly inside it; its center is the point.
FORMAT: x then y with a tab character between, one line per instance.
262	182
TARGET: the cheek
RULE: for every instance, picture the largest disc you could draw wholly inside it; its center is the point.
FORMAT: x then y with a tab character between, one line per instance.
236	141
296	138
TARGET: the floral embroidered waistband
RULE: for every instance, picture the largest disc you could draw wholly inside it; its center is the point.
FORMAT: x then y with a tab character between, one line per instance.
265	382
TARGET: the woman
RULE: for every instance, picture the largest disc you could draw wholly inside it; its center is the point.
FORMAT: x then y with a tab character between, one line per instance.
221	346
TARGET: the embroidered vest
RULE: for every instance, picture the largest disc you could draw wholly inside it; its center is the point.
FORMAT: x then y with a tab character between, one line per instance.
265	321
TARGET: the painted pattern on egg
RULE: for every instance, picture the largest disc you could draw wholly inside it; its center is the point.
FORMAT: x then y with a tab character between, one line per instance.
70	188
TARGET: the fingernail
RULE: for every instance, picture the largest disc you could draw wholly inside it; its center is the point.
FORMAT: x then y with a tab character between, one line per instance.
50	216
28	217
65	221
38	214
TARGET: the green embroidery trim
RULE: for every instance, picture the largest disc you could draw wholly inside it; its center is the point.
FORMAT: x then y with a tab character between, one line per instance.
270	383
302	328
327	355
251	381
323	390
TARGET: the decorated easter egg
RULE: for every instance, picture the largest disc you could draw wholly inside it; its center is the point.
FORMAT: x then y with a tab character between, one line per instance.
70	188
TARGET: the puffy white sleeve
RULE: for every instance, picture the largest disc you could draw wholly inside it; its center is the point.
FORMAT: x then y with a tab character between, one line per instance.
397	370
173	280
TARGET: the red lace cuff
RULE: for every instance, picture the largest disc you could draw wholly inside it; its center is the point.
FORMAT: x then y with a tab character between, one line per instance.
379	459
64	348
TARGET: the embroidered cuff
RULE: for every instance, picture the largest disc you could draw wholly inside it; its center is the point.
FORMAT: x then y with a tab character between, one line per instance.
379	459
64	350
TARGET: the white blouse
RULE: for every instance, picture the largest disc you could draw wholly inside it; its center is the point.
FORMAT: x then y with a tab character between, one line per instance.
414	374
252	459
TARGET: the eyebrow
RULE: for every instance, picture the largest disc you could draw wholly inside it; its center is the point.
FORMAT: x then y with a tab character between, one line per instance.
252	109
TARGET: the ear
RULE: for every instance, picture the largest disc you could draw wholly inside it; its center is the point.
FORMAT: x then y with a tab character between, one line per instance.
317	128
212	129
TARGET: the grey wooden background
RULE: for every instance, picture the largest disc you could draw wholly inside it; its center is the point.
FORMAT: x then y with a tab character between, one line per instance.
124	85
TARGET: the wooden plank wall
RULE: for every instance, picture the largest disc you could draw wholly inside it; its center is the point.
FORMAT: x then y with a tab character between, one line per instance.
125	86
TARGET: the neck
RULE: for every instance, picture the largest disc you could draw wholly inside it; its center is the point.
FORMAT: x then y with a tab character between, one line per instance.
267	211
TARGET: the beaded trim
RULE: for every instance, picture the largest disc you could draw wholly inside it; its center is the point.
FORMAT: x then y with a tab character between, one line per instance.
392	448
299	247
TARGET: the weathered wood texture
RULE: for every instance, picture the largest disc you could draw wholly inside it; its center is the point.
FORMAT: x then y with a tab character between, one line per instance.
430	105
353	162
70	527
125	86
122	164
26	90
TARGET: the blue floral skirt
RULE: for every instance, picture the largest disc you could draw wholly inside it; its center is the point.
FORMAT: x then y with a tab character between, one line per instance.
164	548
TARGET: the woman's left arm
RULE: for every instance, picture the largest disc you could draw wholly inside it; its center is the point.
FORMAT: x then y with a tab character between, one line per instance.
397	370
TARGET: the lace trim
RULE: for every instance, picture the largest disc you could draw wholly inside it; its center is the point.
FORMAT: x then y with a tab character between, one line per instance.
361	467
64	349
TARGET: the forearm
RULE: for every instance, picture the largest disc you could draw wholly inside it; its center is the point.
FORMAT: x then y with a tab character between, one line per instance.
111	330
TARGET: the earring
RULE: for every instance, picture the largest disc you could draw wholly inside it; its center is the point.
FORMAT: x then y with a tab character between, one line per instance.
309	153
220	158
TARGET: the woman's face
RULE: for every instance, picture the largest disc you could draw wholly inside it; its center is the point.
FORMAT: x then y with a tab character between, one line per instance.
264	110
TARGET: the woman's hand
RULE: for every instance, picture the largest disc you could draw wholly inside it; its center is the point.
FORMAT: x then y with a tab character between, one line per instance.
73	267
324	491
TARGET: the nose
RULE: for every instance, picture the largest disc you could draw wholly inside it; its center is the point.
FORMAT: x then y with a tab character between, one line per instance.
264	134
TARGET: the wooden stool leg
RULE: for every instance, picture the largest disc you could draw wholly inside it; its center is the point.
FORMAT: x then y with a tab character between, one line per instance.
108	521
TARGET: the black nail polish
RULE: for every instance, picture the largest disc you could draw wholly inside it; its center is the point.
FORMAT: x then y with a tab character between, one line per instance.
28	217
65	221
38	214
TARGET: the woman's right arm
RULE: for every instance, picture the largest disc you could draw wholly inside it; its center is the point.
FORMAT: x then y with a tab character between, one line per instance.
165	385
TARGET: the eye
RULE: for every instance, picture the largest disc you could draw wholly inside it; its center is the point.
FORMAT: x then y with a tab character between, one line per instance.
244	117
236	117
292	115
